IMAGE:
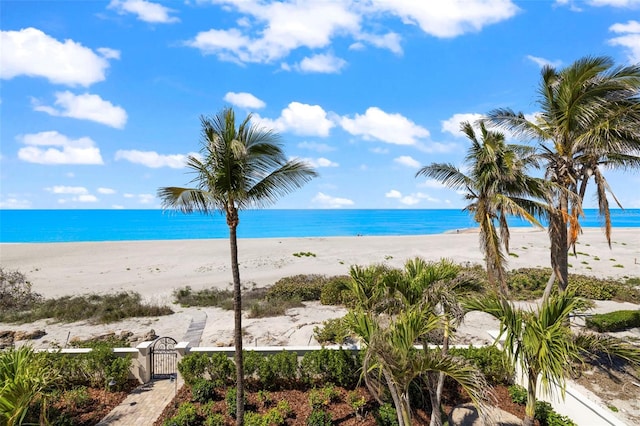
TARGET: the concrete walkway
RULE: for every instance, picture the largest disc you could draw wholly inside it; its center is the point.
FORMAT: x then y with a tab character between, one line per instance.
144	405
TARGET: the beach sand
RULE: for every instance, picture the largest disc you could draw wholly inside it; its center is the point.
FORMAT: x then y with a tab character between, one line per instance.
156	268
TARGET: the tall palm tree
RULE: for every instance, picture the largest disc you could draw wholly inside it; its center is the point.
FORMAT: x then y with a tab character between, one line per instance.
589	120
497	186
238	168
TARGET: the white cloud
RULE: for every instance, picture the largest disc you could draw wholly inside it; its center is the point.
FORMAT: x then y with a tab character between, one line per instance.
301	119
75	190
269	31
418	197
630	39
146	198
321	63
106	191
433	184
108	53
379	125
378	150
616	3
327	201
452	125
278	28
244	100
86	198
15	203
408	161
54	148
319	162
394	193
315	146
146	11
449	18
152	159
33	53
542	62
85	107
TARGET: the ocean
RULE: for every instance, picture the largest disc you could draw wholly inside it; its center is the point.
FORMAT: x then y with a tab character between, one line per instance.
44	226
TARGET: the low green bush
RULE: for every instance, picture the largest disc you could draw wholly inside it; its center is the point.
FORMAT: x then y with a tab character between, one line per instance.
193	367
333	331
335	292
214	419
340	367
387	415
187	415
319	418
272	307
614	321
203	391
216	367
185	296
302	287
490	361
544	412
278	370
15	291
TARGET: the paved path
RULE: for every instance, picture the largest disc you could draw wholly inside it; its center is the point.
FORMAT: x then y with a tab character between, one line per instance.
196	327
144	405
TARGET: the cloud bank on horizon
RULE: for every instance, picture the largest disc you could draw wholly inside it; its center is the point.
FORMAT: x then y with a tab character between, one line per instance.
101	101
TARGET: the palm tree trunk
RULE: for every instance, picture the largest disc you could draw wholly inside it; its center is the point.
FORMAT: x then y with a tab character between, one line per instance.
436	419
530	409
397	398
558	236
237	310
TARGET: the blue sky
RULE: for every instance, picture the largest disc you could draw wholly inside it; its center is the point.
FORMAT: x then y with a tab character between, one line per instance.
100	100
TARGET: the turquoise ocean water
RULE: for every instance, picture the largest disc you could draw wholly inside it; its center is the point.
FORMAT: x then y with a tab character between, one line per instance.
125	225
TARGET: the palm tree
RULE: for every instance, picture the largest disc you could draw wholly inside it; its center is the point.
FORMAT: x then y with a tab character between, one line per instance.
391	360
497	186
238	168
589	120
542	344
395	309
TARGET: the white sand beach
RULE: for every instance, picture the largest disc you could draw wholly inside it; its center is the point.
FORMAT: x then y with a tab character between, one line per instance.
156	268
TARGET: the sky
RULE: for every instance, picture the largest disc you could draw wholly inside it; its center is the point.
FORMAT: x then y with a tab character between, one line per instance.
100	101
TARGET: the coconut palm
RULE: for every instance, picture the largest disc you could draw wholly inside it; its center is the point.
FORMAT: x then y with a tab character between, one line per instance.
238	168
497	186
589	120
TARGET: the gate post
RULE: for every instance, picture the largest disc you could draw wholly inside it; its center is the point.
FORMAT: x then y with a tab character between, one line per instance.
144	361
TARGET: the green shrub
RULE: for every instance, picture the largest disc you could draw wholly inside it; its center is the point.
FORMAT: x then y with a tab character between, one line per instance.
214	419
333	330
302	287
251	361
185	296
614	321
518	394
334	292
187	415
490	361
387	415
278	369
193	367
230	400
203	391
319	418
101	366
272	307
221	369
340	367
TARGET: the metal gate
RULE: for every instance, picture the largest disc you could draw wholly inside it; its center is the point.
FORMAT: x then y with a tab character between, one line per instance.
164	358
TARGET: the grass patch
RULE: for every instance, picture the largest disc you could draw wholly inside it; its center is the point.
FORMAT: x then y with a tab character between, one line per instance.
614	321
93	307
618	266
513	255
185	297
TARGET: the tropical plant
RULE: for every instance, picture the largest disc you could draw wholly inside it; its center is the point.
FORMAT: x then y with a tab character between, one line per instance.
25	378
238	168
392	361
496	187
589	119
